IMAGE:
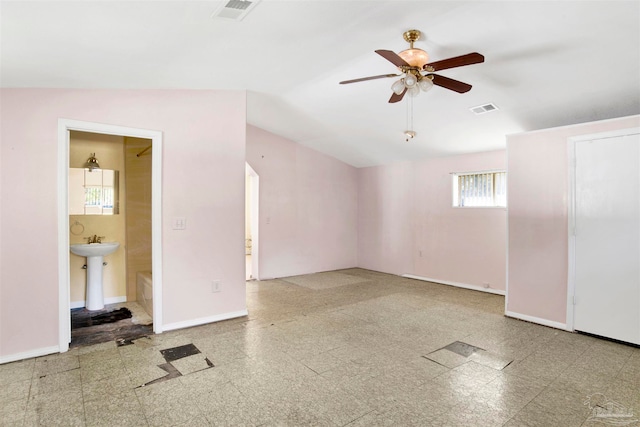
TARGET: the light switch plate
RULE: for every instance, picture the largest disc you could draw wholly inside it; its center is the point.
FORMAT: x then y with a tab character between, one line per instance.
179	223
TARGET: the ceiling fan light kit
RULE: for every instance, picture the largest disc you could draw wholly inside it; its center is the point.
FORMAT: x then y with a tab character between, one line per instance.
413	56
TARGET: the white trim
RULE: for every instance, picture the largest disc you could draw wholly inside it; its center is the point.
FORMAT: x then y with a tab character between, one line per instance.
204	320
506	277
456	284
255	223
64	319
478	172
64	126
29	354
571	211
537	320
571	236
110	300
604	135
634	116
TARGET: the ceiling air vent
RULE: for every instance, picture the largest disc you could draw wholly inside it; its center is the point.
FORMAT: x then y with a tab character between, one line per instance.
235	10
481	109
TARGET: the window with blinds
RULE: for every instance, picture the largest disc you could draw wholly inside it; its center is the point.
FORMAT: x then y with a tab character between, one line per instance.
480	189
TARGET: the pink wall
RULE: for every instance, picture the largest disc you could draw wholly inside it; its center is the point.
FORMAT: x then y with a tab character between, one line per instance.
538	217
385	229
408	226
308	207
462	245
203	181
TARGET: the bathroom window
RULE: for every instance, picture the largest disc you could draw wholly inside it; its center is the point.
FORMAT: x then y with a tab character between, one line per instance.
480	189
92	196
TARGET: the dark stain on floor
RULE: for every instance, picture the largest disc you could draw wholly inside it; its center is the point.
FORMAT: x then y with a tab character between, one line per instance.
82	318
109	326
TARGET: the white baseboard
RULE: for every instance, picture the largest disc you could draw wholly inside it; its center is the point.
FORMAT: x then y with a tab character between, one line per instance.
29	354
110	300
538	320
457	285
204	320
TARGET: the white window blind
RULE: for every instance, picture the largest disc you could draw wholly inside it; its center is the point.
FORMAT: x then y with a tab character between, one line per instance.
482	189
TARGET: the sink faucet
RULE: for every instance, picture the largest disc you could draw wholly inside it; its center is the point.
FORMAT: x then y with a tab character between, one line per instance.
94	239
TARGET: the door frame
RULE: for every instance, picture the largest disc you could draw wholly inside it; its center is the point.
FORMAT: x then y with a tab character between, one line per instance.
255	223
64	303
571	215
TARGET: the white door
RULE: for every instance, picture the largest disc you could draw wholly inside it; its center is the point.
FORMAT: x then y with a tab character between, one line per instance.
607	238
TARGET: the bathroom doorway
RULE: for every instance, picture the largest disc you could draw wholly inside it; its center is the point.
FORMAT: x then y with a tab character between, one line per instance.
140	142
252	188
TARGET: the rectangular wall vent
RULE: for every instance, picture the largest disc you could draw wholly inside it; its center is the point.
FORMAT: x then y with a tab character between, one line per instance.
235	10
481	109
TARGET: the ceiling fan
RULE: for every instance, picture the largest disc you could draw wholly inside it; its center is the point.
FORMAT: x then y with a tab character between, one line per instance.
413	62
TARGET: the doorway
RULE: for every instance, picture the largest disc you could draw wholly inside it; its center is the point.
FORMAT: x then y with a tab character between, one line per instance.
65	127
252	247
605	239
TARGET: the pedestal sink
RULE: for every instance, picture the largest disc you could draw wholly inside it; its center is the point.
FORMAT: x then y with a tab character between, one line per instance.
95	253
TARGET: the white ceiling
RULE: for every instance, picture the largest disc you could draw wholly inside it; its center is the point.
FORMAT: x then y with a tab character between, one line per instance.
548	63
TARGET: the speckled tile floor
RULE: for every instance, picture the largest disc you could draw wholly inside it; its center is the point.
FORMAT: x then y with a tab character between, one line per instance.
349	355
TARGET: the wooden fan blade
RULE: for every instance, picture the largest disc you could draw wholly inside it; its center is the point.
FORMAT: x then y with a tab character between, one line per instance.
451	84
456	61
392	57
381	76
397	98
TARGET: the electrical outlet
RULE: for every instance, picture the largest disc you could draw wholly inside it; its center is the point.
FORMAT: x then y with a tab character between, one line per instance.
486	285
215	286
420	253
